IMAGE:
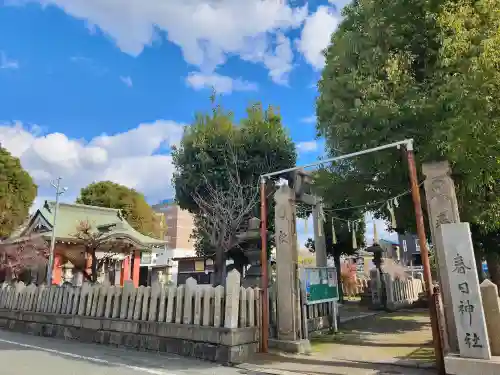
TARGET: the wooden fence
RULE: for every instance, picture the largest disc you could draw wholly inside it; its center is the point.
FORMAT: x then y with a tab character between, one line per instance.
230	307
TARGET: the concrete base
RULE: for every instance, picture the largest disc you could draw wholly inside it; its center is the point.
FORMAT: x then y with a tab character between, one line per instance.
296	347
456	365
223	345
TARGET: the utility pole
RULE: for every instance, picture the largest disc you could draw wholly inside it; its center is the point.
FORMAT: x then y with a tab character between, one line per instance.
424	252
59	191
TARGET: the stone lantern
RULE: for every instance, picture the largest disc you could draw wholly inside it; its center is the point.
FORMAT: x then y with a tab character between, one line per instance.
378	251
251	238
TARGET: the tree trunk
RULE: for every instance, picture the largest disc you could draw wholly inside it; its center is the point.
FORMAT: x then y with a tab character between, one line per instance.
220	267
493	261
94	267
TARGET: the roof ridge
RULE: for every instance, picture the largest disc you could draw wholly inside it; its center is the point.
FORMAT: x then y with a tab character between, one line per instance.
78	205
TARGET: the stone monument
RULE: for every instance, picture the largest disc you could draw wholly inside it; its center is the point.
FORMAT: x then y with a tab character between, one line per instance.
466	301
442	208
288	310
471	312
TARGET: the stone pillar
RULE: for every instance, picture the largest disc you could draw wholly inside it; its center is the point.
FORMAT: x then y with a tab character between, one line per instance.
466	300
288	313
319	235
442	208
491	304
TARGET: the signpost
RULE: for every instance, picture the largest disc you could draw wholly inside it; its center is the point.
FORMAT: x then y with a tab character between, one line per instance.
321	285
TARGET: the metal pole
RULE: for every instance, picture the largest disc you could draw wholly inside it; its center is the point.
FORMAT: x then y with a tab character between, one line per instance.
50	265
341	157
264	335
415	192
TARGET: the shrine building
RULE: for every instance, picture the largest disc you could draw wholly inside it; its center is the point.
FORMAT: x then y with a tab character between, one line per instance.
119	253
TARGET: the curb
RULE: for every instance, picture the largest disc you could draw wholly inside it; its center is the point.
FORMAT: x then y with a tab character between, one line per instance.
263	371
403	364
356	317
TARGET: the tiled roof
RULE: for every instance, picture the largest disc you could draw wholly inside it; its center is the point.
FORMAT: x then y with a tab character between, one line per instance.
70	215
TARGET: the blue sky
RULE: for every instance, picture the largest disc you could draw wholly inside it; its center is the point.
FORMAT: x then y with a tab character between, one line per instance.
100	89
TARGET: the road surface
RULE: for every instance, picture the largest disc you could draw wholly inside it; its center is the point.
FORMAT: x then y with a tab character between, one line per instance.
27	355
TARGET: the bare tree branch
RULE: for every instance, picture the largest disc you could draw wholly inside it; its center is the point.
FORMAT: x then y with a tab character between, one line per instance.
94	241
226	211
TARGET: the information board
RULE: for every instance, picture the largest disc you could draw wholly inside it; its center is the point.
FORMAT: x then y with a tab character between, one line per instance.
320	284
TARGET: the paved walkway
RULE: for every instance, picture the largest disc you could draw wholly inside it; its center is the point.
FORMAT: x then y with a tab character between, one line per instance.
385	343
280	365
352	310
402	337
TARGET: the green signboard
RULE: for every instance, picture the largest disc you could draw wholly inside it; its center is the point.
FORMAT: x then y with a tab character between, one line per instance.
320	284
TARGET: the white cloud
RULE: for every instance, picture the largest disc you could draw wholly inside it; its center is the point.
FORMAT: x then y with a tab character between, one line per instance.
316	34
309	120
127	81
6	63
132	158
221	84
207	31
308	146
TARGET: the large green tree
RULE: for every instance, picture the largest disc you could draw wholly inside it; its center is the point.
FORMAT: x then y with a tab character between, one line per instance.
217	155
341	214
423	70
132	203
17	193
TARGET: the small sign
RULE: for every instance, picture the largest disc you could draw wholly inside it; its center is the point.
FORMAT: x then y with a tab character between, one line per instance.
320	284
199	266
146	258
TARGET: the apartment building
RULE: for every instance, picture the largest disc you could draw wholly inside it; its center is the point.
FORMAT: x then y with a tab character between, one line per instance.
177	226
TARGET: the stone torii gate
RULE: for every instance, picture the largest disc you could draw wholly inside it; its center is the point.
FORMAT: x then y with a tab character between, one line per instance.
289	310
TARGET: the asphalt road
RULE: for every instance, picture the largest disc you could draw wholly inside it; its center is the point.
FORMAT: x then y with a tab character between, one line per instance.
27	355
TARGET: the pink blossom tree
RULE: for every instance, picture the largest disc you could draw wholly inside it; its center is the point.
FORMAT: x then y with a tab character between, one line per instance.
28	254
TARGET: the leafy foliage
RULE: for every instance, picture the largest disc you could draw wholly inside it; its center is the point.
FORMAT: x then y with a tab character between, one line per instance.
421	70
132	203
331	185
260	144
17	193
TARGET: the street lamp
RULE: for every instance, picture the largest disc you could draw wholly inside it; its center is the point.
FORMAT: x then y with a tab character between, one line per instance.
59	191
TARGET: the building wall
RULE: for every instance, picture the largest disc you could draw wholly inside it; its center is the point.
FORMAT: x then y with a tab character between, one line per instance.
410	248
179	225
